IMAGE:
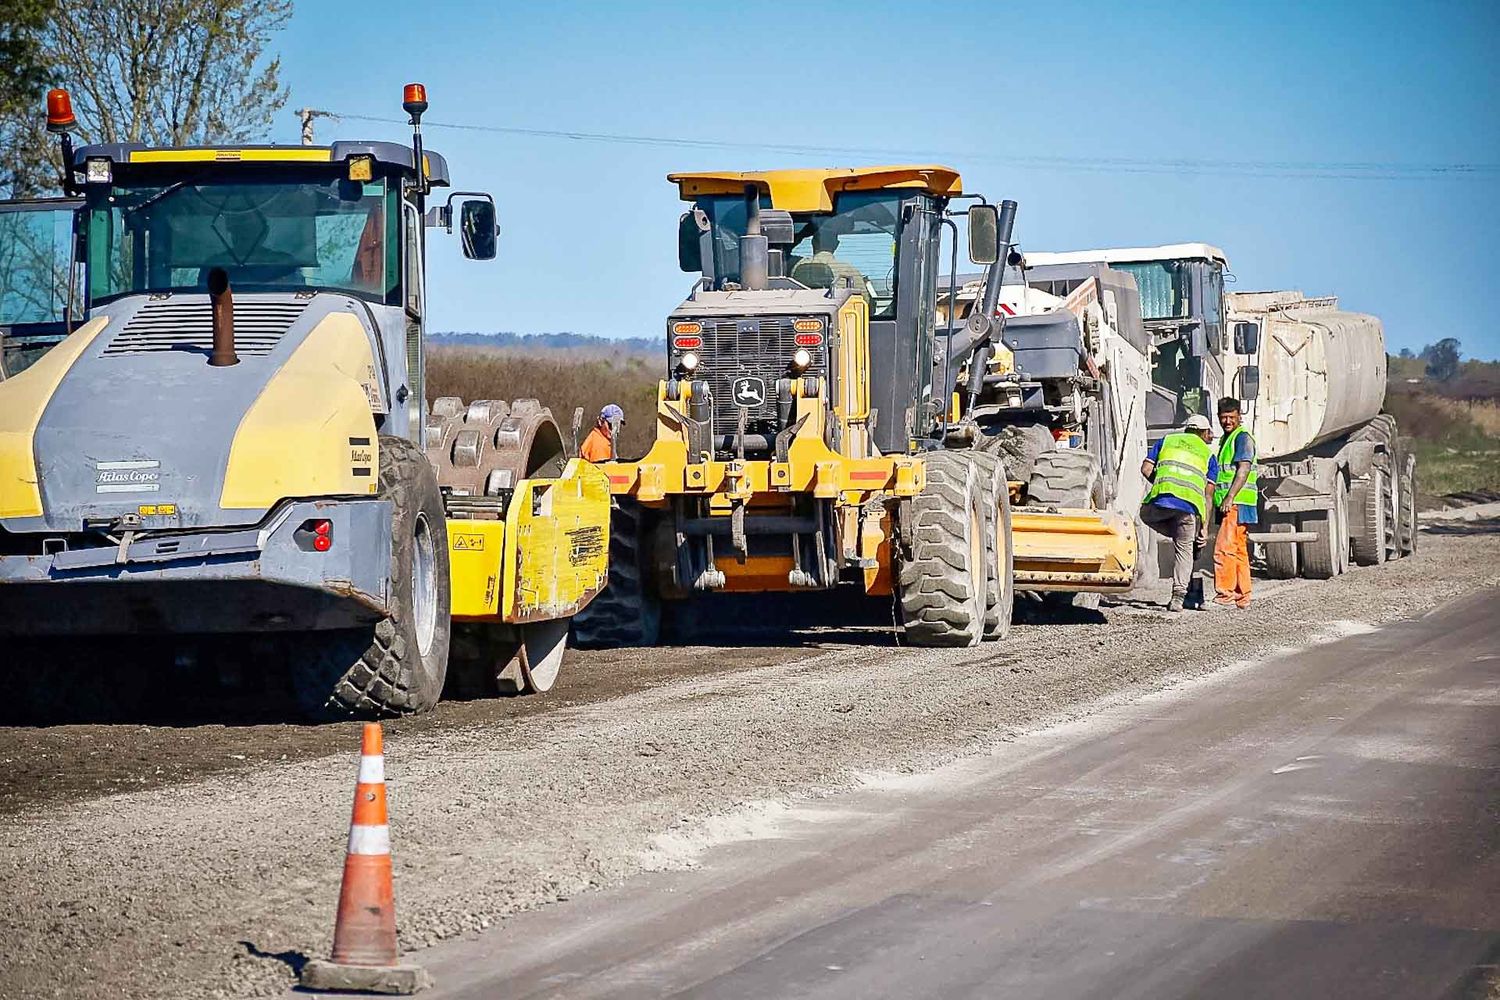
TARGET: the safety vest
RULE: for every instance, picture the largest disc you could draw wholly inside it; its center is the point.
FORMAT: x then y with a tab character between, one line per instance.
1249	493
1181	470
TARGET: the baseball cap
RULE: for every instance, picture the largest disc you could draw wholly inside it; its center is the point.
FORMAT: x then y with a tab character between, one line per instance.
1198	422
612	411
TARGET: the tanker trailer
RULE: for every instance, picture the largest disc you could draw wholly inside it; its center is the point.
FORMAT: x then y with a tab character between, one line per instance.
1335	482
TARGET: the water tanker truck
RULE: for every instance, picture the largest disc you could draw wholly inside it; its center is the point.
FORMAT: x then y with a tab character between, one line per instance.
1336	484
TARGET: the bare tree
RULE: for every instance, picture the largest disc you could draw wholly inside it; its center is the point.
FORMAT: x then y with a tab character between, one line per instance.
23	165
162	72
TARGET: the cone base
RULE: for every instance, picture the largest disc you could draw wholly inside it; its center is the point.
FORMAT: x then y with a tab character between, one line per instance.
399	980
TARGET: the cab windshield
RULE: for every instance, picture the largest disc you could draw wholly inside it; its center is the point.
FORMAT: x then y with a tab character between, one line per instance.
271	232
1165	287
853	246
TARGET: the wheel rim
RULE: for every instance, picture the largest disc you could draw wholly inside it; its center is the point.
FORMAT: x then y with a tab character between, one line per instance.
424	585
977	575
1002	553
1341	528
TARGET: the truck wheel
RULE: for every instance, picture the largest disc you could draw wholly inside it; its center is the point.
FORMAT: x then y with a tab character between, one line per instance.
1017	446
396	667
626	612
941	582
1367	504
1406	531
1066	477
1281	557
1341	511
1000	578
1324	558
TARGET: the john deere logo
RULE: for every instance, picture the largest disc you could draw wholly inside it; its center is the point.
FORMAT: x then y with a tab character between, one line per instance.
749	391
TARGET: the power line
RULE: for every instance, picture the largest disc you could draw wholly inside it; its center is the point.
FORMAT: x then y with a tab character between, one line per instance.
1321	170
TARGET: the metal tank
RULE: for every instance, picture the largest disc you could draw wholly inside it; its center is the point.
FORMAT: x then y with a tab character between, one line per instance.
1322	369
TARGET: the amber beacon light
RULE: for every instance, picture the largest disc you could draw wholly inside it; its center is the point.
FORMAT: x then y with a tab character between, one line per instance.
60	116
414	99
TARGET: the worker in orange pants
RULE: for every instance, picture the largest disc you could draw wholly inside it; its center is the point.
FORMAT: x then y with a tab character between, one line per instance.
1232	560
1237	500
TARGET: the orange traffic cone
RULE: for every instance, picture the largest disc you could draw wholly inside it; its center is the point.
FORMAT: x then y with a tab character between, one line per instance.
364	933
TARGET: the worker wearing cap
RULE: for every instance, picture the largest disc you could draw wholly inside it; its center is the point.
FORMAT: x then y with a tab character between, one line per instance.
1182	470
1236	497
599	446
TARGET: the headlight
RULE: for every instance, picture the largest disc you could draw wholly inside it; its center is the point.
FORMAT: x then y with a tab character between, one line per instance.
688	362
801	359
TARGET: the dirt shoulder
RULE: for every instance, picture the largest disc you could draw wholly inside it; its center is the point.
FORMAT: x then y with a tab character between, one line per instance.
217	880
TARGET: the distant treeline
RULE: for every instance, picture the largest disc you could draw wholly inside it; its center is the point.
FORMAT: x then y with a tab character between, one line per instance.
590	343
1441	369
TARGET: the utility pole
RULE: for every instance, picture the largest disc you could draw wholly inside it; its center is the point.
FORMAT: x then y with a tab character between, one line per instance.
308	115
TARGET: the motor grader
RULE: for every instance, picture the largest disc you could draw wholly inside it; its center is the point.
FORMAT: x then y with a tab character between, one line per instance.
812	429
237	443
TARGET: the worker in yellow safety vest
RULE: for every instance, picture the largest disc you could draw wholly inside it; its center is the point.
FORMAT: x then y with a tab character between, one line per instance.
1237	499
1182	470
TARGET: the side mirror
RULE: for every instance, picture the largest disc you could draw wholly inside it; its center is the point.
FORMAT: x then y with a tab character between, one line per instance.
984	234
477	229
1246	338
1249	381
689	250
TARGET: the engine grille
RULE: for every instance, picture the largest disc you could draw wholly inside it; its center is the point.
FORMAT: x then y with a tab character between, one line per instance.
761	348
187	325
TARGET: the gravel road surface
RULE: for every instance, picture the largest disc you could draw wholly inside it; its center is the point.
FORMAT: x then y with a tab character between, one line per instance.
204	861
1319	824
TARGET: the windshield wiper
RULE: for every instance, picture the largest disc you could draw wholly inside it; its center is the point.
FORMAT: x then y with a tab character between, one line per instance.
172	188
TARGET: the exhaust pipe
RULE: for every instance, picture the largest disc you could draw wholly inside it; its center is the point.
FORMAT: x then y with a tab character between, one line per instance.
223	310
755	247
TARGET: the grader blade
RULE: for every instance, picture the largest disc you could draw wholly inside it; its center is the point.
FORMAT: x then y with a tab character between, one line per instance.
1073	550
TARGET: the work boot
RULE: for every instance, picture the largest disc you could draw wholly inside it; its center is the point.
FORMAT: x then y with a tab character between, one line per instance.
1175	604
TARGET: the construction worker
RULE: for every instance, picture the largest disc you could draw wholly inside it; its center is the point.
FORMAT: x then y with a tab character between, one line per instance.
1236	497
1182	471
599	446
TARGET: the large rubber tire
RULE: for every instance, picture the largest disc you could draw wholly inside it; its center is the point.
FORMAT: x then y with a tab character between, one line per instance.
1382	428
627	612
1368	505
1017	446
398	666
1281	559
1066	477
1325	558
1000	565
1406	530
941	582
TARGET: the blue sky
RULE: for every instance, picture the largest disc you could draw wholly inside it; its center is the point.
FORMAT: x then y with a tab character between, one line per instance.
1000	91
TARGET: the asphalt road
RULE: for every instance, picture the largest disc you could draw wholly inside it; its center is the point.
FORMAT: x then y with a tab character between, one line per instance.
1322	824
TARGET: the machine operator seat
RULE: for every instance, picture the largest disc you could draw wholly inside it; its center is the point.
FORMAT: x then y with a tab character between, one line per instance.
824	270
